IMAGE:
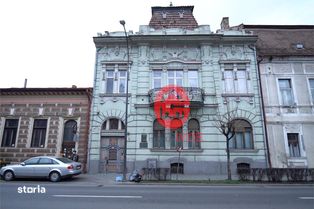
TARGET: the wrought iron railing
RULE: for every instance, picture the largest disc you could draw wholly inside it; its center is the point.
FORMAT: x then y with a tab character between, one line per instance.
195	95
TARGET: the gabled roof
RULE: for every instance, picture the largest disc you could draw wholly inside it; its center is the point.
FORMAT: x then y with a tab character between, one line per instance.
283	40
173	17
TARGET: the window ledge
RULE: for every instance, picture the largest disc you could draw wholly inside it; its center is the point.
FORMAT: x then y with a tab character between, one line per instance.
244	150
174	150
113	94
237	95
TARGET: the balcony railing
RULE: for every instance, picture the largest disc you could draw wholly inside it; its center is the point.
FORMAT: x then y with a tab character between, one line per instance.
195	95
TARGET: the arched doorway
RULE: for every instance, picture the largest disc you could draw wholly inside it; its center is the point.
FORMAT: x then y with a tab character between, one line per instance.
112	146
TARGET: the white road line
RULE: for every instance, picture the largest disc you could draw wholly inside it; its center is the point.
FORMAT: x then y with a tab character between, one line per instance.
306	198
100	196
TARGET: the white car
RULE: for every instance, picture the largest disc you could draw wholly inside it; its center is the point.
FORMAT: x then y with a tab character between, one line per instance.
53	168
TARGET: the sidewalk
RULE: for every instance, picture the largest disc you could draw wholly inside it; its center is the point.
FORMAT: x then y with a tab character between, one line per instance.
110	179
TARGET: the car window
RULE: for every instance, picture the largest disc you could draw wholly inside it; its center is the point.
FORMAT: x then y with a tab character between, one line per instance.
31	161
55	162
45	161
65	160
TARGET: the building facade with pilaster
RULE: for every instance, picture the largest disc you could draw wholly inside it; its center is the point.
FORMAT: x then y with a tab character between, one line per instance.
218	71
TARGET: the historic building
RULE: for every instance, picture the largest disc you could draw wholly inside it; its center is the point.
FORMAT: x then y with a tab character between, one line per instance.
44	121
216	71
286	64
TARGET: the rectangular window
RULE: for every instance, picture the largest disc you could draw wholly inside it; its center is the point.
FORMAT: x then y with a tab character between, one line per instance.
311	82
39	133
193	78
242	81
175	77
176	138
122	81
157	78
10	132
229	85
109	81
116	81
286	92
159	139
293	144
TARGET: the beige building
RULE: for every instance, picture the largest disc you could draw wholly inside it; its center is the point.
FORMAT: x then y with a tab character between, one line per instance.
285	55
43	121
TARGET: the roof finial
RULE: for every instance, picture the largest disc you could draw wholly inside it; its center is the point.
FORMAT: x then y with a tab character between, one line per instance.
171	3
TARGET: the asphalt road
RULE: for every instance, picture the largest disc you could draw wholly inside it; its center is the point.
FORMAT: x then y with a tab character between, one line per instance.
76	196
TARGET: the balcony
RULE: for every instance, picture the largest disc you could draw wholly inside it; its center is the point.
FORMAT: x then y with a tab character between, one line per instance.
195	95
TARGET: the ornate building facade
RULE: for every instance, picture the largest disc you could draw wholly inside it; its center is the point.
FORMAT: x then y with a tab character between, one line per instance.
44	121
216	70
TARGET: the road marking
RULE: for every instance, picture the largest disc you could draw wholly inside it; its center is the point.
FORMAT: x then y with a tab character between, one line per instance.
100	196
306	198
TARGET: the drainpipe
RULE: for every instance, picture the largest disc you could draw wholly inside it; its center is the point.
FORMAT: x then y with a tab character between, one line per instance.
89	94
268	159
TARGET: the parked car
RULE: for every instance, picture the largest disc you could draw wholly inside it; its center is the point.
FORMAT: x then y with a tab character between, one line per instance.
53	168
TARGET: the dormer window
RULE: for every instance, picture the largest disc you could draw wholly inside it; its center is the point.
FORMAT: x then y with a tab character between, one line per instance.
299	46
164	15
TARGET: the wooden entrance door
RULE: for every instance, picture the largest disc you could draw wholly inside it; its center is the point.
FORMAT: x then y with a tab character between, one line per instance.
112	154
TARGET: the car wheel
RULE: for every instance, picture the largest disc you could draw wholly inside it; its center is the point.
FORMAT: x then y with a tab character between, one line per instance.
54	176
8	175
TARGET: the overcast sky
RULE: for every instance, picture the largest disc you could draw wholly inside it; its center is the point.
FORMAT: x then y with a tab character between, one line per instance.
49	42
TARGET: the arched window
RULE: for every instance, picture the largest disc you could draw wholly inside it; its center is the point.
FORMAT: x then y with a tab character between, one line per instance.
194	137
70	129
113	124
176	136
243	138
158	135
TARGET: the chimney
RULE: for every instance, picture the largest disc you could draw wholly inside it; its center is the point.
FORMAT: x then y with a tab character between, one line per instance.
25	83
74	86
224	25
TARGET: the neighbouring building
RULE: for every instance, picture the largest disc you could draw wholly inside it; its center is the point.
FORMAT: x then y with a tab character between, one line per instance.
216	70
286	63
44	121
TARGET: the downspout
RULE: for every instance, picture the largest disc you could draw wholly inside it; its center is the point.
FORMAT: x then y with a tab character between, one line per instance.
263	107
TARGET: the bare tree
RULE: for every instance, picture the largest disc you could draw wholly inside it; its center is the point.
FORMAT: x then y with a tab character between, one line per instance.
226	123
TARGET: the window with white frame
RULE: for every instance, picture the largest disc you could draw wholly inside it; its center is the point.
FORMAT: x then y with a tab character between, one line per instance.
236	78
109	81
286	93
157	79
115	81
311	82
242	80
175	77
193	78
122	81
10	132
293	144
229	81
39	133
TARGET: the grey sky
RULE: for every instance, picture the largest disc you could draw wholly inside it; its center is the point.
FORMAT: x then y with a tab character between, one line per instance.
50	41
